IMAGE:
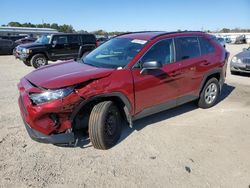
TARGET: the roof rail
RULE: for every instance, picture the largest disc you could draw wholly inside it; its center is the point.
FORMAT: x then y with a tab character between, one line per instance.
136	32
160	34
166	33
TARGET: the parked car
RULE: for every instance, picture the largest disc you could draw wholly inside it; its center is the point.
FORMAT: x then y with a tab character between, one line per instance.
25	40
240	39
101	40
221	41
12	37
55	47
6	46
127	78
241	62
228	40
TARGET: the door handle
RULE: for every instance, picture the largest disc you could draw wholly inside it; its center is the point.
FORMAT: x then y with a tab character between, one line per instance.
175	73
206	63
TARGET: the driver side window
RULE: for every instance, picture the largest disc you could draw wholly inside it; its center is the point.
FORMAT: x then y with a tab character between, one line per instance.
161	52
60	39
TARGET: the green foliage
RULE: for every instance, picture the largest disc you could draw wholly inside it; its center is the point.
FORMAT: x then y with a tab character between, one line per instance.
235	30
105	33
61	28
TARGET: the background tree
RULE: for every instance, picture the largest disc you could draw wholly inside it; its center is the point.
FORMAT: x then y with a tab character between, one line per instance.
61	28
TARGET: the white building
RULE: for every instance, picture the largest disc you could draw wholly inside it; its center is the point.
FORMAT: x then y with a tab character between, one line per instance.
26	31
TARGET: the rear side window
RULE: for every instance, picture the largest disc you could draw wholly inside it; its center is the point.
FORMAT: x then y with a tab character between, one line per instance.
206	46
186	47
161	52
73	39
89	39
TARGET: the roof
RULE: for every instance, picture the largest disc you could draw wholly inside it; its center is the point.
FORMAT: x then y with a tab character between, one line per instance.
149	35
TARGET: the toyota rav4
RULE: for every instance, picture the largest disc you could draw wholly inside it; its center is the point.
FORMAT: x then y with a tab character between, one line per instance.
128	77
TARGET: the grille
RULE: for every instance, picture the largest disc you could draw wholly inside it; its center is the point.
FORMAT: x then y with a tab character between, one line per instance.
246	60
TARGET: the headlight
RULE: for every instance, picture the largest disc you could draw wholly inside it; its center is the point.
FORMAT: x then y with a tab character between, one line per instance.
50	95
26	51
239	61
234	59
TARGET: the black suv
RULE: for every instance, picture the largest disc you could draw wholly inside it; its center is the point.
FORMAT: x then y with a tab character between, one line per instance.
55	47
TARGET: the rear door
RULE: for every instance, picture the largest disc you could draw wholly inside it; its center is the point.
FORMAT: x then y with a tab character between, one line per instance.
188	56
74	45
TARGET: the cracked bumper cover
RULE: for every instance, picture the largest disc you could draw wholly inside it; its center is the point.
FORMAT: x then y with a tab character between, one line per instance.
62	138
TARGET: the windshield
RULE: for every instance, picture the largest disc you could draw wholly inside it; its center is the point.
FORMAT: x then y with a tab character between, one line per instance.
44	39
115	53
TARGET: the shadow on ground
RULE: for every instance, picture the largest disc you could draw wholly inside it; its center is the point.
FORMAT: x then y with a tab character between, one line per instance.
83	140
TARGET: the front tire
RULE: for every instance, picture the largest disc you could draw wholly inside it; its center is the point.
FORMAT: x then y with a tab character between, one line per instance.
105	125
39	60
209	94
27	63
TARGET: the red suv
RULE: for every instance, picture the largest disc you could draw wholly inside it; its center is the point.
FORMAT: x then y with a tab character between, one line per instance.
128	77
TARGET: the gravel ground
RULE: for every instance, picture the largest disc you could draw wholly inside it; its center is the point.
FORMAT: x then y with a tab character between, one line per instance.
182	147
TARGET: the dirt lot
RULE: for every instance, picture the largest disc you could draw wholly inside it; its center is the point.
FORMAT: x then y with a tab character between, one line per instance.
183	147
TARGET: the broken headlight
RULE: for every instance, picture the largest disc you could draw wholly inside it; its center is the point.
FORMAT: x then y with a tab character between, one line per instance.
50	95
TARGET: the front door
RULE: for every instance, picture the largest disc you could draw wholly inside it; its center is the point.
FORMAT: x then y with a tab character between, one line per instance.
157	88
60	48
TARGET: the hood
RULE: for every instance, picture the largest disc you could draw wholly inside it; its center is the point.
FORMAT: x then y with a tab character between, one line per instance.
65	74
244	54
31	45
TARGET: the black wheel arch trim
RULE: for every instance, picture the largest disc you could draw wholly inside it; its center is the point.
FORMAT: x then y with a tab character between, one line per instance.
40	52
127	108
216	71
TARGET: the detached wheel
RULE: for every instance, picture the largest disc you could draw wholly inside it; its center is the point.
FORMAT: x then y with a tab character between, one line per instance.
39	60
105	125
209	94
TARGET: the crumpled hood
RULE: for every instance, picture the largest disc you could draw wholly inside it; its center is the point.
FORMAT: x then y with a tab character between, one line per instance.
65	74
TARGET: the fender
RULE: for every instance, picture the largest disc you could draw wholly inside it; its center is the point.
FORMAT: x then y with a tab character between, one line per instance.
216	71
127	108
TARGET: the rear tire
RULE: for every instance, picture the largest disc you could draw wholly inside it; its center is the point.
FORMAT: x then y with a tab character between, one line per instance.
209	94
39	60
105	125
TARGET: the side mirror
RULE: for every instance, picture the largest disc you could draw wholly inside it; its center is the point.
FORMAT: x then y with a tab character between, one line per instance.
54	43
150	65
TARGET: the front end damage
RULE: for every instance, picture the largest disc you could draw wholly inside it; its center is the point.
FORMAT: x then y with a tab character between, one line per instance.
47	122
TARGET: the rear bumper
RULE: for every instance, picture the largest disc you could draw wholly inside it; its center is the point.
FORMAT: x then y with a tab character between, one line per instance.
63	138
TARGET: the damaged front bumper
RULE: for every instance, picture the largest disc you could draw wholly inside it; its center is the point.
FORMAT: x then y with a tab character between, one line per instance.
62	138
48	122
